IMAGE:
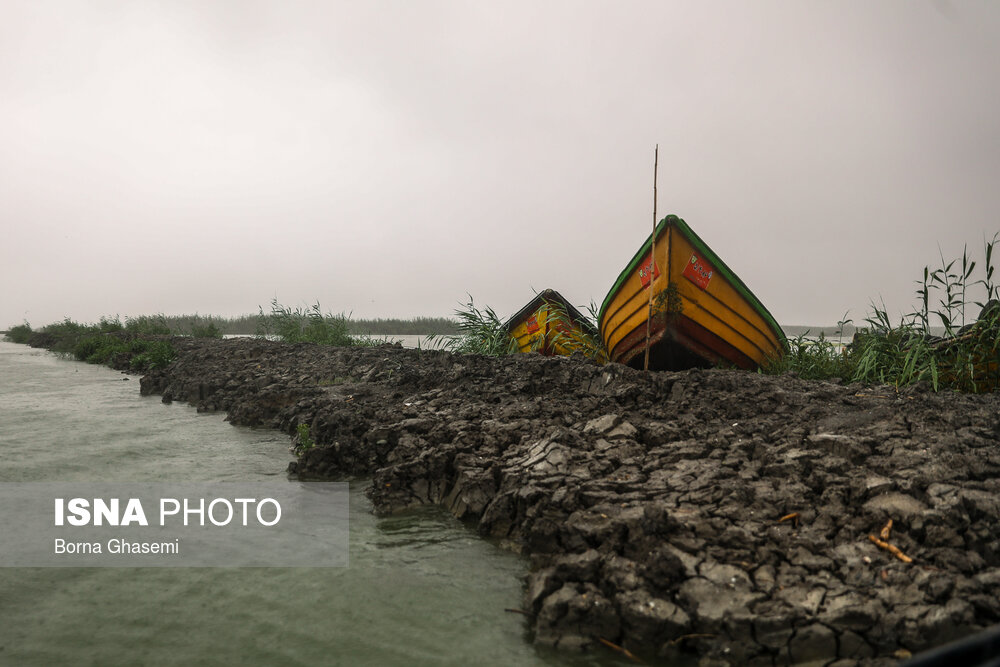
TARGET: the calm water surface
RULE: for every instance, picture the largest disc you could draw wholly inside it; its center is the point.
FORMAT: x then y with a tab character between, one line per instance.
421	589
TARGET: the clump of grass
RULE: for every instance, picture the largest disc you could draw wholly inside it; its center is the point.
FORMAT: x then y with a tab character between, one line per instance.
64	337
151	354
966	358
147	325
303	439
814	358
20	333
369	340
107	342
303	326
972	361
121	351
205	329
574	334
109	324
480	332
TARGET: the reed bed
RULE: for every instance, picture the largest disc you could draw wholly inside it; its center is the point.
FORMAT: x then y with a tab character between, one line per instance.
938	343
965	358
480	331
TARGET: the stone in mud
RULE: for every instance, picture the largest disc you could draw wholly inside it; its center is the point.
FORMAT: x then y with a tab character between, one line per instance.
601	425
473	488
812	644
709	603
774	629
851	612
844	446
875	485
578	567
852	647
648	620
575	617
895	505
620	574
623	430
666	567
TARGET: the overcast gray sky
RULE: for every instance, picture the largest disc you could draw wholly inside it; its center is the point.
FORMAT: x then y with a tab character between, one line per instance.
387	158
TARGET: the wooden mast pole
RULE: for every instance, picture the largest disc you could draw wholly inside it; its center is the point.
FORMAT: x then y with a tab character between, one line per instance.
652	258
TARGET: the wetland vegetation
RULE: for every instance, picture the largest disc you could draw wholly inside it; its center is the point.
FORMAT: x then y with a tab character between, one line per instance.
940	342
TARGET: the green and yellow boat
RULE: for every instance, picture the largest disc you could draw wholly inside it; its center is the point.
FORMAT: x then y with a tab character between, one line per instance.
549	324
702	314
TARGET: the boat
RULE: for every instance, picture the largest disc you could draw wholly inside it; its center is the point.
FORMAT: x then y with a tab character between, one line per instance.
549	324
702	314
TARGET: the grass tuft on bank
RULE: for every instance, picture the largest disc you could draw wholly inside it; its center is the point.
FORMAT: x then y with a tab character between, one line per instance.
132	345
965	358
20	333
311	325
480	331
136	354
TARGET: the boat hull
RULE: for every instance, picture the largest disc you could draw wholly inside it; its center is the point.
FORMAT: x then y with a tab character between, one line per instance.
549	324
702	315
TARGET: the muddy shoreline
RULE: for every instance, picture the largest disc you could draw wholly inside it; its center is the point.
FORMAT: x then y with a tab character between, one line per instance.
651	505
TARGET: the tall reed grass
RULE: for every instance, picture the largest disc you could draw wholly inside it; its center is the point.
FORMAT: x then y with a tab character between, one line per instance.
310	325
480	331
573	334
966	358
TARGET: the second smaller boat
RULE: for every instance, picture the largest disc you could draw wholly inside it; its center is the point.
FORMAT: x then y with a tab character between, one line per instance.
549	324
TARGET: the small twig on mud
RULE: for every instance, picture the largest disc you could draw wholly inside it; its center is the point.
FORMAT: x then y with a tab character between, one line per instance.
793	517
624	651
885	530
519	611
890	548
678	640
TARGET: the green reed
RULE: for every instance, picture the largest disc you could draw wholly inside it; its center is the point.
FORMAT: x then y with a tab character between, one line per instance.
300	325
814	358
19	333
966	358
573	334
480	331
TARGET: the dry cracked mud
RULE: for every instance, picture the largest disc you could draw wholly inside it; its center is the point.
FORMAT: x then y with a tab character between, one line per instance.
721	514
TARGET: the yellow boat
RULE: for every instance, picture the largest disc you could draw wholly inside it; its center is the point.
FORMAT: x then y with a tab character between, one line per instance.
702	313
549	324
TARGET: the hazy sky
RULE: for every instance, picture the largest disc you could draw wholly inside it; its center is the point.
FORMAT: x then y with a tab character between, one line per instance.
387	158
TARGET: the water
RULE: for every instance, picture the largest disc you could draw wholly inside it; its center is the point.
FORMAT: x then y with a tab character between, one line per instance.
421	589
421	341
415	341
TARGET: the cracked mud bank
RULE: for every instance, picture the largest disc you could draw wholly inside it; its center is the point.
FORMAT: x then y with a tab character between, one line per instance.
720	514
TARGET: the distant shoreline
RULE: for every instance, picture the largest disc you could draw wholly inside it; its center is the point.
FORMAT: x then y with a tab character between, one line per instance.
395	327
424	326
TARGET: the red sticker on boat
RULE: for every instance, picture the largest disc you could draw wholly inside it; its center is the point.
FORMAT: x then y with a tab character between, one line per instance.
646	268
698	271
531	324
